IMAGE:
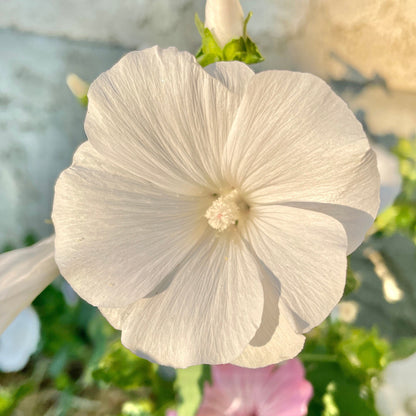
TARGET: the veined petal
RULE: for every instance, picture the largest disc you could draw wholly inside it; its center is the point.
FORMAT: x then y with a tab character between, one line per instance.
234	75
288	392
24	273
275	340
208	314
268	391
295	140
158	114
306	252
118	237
355	222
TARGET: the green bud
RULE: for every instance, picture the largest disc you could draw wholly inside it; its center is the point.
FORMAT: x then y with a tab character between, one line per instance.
241	49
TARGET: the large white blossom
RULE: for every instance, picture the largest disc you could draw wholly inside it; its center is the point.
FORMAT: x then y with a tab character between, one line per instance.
396	395
210	212
19	341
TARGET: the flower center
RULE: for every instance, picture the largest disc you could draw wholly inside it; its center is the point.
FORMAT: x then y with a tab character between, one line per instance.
224	211
410	405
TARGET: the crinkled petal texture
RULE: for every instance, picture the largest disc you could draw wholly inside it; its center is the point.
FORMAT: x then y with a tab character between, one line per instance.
267	391
24	273
19	341
295	142
166	138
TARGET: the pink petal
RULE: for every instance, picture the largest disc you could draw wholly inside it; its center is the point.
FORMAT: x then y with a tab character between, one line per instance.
264	391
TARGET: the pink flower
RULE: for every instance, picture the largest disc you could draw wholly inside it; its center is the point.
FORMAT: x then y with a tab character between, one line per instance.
267	391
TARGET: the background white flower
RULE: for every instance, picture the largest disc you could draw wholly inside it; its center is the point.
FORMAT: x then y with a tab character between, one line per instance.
210	212
24	273
397	394
390	178
19	341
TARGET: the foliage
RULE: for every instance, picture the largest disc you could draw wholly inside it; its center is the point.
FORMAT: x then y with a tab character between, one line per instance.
341	362
123	369
189	384
242	49
401	216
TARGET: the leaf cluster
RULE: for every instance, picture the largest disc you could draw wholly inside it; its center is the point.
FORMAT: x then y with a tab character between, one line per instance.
242	49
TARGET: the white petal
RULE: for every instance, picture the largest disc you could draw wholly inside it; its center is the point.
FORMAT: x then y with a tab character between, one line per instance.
294	140
19	341
118	237
234	75
208	314
391	180
390	401
158	114
116	316
306	252
401	373
355	222
24	273
275	340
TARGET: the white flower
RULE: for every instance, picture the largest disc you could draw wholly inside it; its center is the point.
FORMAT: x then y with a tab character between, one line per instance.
210	212
19	341
391	180
397	394
225	20
24	273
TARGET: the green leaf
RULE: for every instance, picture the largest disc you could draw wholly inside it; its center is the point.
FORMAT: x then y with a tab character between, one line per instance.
120	367
242	49
352	282
11	396
205	60
401	216
403	348
83	101
383	263
189	384
330	407
138	408
361	353
199	25
209	44
335	391
253	54
234	50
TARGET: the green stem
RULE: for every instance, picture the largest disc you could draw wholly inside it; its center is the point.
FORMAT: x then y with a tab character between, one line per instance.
318	358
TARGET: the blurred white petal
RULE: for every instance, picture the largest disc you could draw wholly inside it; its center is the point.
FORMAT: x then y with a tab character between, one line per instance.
19	341
24	273
396	395
391	180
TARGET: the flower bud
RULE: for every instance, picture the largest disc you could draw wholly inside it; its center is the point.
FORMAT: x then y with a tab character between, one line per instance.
225	19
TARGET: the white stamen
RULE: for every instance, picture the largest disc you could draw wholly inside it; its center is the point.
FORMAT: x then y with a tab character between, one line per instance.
223	212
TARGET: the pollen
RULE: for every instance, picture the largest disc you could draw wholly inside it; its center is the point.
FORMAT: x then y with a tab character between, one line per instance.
223	212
